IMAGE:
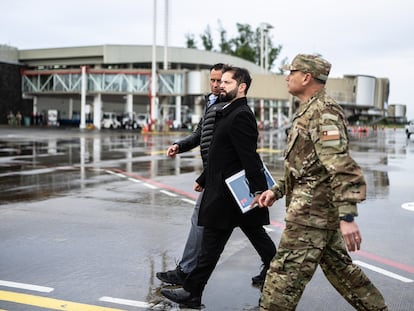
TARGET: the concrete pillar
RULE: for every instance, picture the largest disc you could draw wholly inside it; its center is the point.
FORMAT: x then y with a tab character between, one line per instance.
82	123
271	104
178	117
97	111
279	113
34	105
129	104
261	112
70	108
280	134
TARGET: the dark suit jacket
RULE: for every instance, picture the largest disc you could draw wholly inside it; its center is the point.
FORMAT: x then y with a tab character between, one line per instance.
232	148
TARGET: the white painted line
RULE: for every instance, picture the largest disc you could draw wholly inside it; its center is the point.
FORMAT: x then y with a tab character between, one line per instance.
169	193
189	201
97	169
36	288
127	302
150	186
408	206
116	174
134	180
382	271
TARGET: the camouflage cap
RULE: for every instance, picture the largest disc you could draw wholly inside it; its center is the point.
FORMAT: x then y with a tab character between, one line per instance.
314	64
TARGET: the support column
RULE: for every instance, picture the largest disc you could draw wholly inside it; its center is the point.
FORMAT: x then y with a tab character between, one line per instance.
70	109
271	104
280	133
97	111
261	111
34	111
129	105
82	123
154	98
34	105
178	118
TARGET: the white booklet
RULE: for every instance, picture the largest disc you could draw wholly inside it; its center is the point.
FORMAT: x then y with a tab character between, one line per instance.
239	187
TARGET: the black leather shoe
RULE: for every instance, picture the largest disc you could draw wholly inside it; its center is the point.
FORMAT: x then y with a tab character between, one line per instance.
259	279
174	277
182	297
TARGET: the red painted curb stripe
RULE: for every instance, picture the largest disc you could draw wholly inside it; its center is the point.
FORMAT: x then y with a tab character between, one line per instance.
155	183
274	223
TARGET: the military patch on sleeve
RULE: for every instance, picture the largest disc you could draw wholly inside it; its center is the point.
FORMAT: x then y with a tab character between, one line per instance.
329	133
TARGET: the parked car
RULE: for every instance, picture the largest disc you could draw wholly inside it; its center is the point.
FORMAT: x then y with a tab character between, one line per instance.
142	120
110	120
129	121
409	128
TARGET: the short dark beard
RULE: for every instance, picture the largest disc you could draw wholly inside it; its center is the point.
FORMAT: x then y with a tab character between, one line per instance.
228	97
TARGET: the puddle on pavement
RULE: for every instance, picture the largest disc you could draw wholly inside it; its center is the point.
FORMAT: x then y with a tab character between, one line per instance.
33	170
39	165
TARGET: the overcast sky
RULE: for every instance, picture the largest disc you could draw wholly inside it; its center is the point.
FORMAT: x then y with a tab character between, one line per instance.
357	36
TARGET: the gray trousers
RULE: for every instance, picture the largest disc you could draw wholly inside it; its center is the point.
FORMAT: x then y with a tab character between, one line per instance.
193	245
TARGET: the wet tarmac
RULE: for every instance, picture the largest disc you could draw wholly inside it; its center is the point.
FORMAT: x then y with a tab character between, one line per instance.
88	218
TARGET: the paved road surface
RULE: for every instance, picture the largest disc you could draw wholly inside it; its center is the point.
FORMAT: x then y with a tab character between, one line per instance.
88	218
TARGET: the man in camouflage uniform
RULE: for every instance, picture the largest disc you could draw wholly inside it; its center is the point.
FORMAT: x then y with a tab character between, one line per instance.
322	184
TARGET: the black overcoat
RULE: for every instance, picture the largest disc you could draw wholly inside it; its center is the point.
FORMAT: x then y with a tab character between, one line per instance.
232	148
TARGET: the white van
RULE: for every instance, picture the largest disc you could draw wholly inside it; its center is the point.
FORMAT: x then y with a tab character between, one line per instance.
110	121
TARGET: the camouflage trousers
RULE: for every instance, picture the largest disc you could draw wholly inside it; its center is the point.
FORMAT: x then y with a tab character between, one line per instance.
301	250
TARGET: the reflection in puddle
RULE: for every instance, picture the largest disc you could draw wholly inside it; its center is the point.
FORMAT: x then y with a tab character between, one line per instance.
35	165
378	184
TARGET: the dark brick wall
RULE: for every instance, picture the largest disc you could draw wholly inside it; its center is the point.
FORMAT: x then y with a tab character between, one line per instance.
11	92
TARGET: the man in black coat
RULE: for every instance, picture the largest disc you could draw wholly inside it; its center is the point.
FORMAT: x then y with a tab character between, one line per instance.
232	149
201	136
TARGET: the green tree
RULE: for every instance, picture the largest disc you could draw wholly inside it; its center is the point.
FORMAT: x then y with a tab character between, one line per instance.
190	41
224	45
243	45
207	39
247	44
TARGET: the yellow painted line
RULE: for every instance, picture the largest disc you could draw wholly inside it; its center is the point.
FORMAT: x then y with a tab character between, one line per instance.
50	303
269	150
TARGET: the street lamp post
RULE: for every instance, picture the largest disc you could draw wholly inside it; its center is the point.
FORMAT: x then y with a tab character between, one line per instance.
264	51
264	46
154	99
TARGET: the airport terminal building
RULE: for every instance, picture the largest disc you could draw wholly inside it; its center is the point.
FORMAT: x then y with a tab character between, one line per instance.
79	85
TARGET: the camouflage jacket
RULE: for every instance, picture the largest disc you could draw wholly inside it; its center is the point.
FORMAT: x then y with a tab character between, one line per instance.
321	180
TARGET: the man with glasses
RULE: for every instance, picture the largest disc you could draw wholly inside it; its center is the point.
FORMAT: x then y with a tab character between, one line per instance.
322	185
